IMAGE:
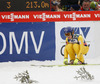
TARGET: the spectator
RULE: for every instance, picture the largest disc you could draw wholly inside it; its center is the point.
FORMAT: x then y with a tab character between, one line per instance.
75	7
80	2
99	5
58	8
66	4
86	6
55	5
96	0
94	5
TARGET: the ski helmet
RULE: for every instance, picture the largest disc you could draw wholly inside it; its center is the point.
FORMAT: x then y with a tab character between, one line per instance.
68	30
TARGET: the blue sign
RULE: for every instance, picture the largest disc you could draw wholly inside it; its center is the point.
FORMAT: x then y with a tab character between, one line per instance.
85	31
27	41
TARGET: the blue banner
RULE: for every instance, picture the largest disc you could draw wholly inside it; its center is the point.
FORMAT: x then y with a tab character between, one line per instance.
27	41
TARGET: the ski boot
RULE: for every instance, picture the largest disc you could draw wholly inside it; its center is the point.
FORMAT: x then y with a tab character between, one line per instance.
71	62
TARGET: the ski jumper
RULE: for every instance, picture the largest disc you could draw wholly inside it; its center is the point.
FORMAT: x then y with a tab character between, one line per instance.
75	46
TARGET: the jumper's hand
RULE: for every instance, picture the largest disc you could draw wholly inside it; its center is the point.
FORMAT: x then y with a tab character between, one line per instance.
65	61
76	61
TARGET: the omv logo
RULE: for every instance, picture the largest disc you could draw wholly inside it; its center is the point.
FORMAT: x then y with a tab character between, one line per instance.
77	30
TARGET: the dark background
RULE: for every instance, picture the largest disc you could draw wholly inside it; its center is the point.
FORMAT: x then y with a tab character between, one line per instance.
20	5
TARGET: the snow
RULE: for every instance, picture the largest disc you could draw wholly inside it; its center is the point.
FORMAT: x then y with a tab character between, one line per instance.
46	75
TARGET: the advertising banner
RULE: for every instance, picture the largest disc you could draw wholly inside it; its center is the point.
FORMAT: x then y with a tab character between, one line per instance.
90	32
49	16
40	35
27	41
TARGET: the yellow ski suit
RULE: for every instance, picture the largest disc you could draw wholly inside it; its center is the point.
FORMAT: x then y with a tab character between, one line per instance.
77	48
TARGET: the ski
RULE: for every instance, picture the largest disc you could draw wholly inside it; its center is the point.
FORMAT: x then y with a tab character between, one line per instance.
64	65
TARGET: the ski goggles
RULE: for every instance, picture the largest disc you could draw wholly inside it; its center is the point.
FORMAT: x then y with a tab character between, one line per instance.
67	34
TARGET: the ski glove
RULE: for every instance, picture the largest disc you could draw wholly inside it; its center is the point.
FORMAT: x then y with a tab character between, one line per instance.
65	61
76	61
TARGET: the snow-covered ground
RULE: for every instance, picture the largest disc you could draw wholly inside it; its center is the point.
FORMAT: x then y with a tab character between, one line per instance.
46	75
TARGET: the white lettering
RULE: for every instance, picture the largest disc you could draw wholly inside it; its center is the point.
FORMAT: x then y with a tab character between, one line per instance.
45	16
65	15
74	16
24	39
18	49
37	49
12	17
35	16
97	15
4	43
3	16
